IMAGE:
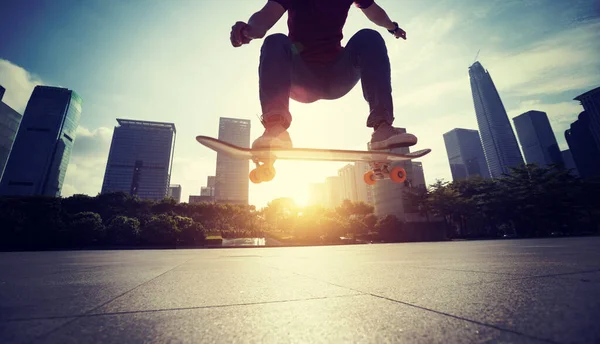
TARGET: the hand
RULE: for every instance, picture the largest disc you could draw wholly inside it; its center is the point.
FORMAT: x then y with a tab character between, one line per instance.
239	34
397	31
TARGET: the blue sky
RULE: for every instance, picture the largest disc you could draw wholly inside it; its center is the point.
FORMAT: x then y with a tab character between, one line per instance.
172	61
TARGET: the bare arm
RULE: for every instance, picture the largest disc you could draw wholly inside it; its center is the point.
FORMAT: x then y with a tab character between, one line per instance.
258	24
378	16
263	20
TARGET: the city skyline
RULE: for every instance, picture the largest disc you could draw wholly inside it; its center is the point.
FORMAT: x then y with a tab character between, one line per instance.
549	63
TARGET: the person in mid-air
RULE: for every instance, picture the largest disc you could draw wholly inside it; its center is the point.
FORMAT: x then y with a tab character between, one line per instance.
310	64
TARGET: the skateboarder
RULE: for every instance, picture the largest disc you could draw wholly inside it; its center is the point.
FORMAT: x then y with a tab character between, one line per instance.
310	64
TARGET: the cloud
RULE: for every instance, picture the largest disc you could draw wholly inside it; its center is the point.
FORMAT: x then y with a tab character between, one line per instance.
565	61
18	83
85	172
94	142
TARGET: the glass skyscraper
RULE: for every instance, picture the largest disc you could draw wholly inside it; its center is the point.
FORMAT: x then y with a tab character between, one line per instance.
582	145
590	101
42	149
9	124
497	137
537	139
140	159
231	178
465	154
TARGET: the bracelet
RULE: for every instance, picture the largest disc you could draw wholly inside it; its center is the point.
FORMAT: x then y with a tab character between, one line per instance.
394	30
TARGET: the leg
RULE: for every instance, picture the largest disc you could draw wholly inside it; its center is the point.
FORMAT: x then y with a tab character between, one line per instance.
367	52
275	79
282	75
365	57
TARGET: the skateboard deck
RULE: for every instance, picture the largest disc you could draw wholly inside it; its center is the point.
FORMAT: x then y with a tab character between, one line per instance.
379	160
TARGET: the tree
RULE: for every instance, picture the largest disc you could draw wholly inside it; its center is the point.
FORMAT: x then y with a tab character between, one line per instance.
87	229
160	230
123	230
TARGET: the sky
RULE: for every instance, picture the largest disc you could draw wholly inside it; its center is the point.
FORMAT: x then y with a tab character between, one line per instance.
171	61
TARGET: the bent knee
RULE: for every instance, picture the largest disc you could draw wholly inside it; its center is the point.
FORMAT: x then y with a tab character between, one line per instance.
369	34
277	40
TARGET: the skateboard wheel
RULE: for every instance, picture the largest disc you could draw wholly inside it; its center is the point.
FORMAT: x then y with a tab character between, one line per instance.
398	174
368	177
265	173
253	177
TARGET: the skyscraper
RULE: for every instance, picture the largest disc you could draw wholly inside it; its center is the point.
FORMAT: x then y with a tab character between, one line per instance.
590	101
140	159
349	185
498	139
353	187
333	191
537	139
175	192
364	191
231	179
9	124
569	162
389	196
42	149
586	153
465	154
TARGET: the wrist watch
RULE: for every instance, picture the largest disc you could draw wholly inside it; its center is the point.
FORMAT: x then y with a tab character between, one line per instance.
394	30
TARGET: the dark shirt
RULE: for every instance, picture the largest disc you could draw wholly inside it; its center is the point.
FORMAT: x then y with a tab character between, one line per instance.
315	26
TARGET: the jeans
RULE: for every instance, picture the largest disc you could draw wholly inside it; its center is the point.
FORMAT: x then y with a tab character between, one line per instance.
284	75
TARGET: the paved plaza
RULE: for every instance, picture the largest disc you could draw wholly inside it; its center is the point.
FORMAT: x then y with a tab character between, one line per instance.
513	291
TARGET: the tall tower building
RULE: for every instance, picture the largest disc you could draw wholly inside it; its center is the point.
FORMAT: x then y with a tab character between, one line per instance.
9	124
175	192
569	162
537	139
364	191
497	137
42	148
590	101
231	179
582	146
349	189
389	196
333	191
465	154
140	159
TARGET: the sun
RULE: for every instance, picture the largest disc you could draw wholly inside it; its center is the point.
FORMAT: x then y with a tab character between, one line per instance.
292	180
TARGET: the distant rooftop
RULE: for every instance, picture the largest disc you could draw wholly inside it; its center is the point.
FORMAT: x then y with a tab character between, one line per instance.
588	93
122	121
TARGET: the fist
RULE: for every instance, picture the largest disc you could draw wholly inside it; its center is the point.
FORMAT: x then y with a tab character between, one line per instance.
399	33
238	34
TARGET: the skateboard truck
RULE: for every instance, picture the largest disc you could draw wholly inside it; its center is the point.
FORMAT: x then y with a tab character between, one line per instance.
381	170
264	172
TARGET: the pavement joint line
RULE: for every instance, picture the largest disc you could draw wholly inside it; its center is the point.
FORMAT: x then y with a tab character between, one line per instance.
535	277
91	315
44	335
506	273
430	310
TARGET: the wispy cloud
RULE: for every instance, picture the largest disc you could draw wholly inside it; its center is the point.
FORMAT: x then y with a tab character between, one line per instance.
18	83
565	61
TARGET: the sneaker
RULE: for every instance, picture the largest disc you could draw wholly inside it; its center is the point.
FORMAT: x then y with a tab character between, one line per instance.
387	137
274	137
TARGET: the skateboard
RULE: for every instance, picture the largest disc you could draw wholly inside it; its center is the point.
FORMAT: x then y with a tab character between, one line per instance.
264	158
